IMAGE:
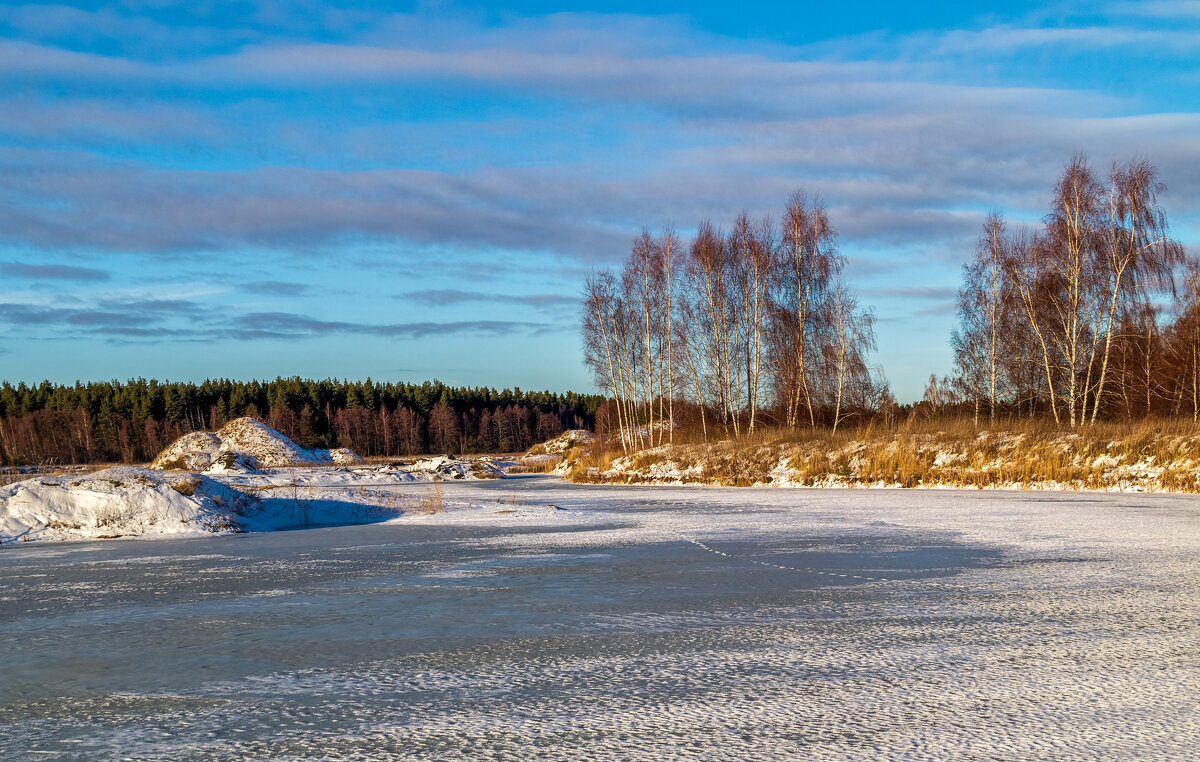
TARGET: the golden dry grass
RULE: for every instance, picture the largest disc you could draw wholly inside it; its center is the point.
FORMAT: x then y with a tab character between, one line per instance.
536	465
1153	454
432	502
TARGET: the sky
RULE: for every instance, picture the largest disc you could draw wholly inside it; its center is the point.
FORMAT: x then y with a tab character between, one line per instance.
409	191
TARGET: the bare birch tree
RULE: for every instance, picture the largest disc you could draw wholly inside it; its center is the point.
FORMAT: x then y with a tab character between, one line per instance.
808	262
1136	246
851	337
981	310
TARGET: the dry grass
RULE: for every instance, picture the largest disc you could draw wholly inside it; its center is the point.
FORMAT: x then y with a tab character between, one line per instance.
589	464
431	502
13	474
1156	455
536	465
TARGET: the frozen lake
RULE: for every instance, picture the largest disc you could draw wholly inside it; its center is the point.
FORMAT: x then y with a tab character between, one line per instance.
633	623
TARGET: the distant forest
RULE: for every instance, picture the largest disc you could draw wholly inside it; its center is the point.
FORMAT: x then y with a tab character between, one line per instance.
132	421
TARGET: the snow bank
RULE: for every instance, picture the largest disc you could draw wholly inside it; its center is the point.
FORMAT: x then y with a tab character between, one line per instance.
551	456
127	501
562	443
117	502
447	467
254	479
244	445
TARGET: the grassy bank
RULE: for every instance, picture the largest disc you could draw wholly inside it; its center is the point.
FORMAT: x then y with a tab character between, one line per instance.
1144	456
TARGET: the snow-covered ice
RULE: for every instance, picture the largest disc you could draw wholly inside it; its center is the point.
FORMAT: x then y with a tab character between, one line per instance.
544	620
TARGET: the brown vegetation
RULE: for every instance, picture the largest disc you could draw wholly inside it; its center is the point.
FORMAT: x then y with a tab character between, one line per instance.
1146	455
432	501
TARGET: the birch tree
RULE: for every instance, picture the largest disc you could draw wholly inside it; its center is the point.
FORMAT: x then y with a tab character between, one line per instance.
1136	246
808	262
851	337
981	310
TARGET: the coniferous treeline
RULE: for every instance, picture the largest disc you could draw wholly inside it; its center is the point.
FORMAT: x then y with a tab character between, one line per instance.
734	328
132	421
1083	318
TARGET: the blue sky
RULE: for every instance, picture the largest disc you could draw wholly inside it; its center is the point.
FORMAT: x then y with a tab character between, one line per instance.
410	191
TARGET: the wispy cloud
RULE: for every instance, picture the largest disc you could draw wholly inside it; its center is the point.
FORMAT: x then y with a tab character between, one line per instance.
285	325
1170	10
52	272
897	146
114	318
196	322
448	296
273	288
925	293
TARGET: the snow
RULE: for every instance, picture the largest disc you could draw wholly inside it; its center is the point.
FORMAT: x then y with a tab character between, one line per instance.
117	502
536	619
447	467
551	456
127	501
562	443
244	445
674	465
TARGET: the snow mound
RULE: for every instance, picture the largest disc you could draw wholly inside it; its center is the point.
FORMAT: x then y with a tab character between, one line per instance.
118	502
551	456
244	445
562	443
447	467
344	457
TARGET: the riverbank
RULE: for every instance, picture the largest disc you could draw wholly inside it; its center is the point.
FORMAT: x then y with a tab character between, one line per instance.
1144	457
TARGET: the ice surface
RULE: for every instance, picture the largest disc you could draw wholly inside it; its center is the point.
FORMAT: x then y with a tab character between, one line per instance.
543	620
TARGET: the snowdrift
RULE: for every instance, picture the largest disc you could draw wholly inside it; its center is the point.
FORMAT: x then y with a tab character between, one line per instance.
241	478
448	467
127	501
562	443
117	502
244	445
551	456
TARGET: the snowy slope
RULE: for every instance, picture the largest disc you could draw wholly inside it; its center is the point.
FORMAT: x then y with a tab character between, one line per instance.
118	502
244	445
562	443
127	501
